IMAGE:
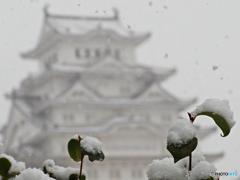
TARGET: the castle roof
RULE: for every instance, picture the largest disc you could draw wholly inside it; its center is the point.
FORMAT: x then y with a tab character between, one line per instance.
62	27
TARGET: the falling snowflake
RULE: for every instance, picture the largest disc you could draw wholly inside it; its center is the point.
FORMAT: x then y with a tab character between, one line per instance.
214	67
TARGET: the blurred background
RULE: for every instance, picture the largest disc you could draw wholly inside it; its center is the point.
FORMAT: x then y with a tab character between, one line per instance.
201	39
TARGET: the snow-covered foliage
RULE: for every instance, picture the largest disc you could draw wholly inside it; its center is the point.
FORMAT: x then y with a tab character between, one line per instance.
48	162
165	169
16	166
181	132
33	174
59	172
181	143
202	171
220	107
75	137
91	145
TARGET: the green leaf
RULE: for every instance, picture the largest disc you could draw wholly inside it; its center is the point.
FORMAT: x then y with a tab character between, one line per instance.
99	156
181	151
74	150
5	165
9	176
83	177
210	178
220	121
75	177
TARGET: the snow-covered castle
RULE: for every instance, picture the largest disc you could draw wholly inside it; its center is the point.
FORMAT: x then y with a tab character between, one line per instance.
91	84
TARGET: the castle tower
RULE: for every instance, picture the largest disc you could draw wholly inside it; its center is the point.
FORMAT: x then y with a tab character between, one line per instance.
91	84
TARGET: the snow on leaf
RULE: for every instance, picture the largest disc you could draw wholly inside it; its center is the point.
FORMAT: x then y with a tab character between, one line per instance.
219	111
15	167
202	171
165	169
33	174
181	139
61	173
196	158
93	148
181	132
181	151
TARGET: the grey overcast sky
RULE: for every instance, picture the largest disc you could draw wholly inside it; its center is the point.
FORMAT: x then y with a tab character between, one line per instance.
201	39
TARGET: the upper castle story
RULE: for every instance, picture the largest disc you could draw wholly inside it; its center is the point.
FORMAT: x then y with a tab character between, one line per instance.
84	40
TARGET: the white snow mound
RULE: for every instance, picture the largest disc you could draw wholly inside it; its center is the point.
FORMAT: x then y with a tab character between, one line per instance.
75	137
197	157
59	172
165	169
49	162
181	132
202	171
91	145
220	107
33	174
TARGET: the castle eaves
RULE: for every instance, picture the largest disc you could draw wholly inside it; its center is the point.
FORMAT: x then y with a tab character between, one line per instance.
59	28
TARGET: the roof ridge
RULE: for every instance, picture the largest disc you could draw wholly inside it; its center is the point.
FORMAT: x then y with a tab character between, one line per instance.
48	15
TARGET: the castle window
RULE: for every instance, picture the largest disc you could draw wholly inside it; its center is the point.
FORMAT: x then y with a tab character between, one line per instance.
115	174
108	51
77	53
97	53
117	54
136	173
68	117
87	53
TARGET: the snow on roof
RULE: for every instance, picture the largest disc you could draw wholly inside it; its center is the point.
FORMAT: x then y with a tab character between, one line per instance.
80	25
57	27
220	107
91	145
181	132
33	174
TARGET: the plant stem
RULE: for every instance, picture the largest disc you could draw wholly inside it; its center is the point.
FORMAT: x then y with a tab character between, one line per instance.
81	165
191	118
190	162
190	156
